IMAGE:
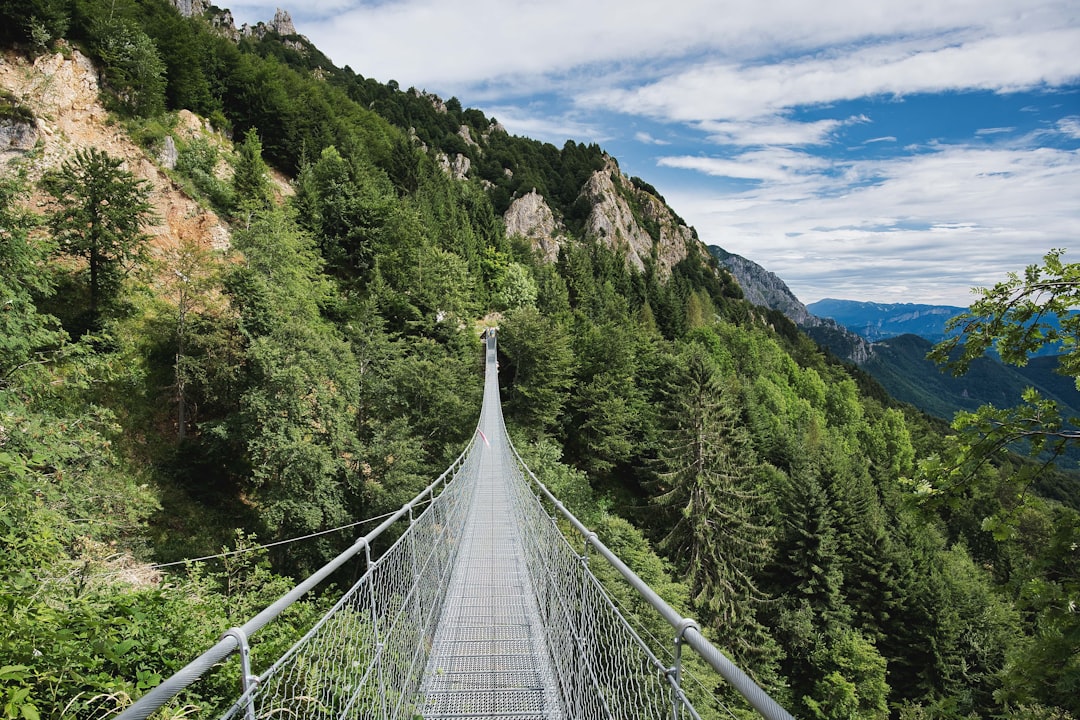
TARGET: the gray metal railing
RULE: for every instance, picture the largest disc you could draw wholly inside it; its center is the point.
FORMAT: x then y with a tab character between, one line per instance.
434	528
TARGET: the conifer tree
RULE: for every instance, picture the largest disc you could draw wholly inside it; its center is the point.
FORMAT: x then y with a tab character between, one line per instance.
717	530
251	181
101	210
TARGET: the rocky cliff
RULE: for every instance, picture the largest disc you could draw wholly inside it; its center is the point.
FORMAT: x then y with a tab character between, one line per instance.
61	91
766	289
529	216
624	217
634	220
222	20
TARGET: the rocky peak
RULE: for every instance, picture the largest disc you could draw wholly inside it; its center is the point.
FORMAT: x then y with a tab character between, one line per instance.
222	21
282	23
529	216
633	220
766	289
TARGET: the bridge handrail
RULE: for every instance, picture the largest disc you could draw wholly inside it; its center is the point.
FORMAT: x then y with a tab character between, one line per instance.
687	628
236	638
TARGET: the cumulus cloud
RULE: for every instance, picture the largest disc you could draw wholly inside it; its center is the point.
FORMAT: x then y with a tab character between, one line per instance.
726	91
930	226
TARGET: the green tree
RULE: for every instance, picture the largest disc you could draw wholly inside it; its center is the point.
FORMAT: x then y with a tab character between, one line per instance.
852	685
26	335
188	282
99	216
537	371
709	484
251	176
1015	318
296	424
133	69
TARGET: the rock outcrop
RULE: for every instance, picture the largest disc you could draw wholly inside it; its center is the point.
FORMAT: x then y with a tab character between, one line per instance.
222	21
634	221
456	166
530	217
16	138
62	91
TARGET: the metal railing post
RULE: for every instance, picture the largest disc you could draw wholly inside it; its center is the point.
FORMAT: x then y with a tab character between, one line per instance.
247	679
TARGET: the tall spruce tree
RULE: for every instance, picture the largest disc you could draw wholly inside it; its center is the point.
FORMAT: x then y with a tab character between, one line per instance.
99	216
717	530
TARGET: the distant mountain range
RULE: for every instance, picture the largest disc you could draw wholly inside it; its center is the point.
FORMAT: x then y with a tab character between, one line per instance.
877	321
891	341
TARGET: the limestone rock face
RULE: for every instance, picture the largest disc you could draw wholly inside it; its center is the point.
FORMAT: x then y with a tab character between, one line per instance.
530	217
456	167
16	137
613	221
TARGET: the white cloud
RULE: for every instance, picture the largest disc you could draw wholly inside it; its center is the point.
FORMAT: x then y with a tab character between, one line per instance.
1070	126
777	165
538	125
883	138
727	91
770	131
644	137
994	131
434	43
932	225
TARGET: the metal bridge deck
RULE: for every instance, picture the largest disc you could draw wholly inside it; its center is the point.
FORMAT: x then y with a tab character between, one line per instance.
489	657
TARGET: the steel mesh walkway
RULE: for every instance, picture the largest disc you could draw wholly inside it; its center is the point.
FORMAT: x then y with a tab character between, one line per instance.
489	658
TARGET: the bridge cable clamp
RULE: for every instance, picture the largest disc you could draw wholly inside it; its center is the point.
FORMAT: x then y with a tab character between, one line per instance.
684	625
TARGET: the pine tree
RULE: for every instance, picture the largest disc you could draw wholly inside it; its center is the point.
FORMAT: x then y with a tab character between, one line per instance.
101	210
709	479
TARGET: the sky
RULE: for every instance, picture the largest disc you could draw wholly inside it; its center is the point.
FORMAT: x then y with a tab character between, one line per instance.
900	151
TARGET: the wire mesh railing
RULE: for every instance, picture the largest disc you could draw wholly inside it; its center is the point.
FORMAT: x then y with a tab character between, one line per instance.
605	668
365	657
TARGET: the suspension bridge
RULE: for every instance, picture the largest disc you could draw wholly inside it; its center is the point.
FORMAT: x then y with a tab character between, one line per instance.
486	605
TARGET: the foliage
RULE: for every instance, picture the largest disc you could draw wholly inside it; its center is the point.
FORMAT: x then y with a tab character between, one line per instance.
250	181
1012	319
198	160
132	67
99	215
328	367
27	336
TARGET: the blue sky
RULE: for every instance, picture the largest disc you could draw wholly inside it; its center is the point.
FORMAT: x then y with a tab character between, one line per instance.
860	149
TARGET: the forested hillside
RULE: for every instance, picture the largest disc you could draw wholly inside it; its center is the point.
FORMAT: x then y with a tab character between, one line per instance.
165	391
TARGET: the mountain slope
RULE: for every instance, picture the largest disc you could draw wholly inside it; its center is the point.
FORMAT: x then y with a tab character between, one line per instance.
766	289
